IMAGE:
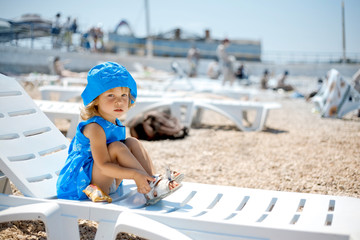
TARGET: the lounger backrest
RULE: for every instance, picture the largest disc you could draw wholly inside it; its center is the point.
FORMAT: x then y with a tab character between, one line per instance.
32	149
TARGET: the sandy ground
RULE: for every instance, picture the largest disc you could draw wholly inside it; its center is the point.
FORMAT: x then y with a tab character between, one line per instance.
298	151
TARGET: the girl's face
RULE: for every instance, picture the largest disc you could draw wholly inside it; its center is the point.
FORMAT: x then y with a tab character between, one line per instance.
113	103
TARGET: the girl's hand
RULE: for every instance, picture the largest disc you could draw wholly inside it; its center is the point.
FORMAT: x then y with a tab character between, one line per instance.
142	182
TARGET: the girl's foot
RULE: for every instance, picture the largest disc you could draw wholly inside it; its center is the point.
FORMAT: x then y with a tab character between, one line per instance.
174	175
161	188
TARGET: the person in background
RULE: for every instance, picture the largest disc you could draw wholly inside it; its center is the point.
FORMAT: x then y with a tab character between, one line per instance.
85	42
93	35
242	75
281	83
225	62
265	79
213	70
193	57
240	72
62	72
74	26
55	31
100	37
313	93
68	33
97	35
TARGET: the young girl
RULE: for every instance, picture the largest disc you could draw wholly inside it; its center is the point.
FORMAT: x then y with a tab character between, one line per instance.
99	154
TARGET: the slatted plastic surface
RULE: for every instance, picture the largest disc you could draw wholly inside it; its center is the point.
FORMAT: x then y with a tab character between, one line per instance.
223	212
62	110
32	149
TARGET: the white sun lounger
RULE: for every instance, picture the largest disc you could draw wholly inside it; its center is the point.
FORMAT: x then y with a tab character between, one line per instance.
237	111
336	97
189	110
32	151
71	110
202	211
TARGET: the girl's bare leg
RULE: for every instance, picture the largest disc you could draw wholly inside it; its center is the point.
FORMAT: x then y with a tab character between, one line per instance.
121	155
139	152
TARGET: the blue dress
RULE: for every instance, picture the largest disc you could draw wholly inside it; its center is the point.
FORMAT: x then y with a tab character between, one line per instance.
75	176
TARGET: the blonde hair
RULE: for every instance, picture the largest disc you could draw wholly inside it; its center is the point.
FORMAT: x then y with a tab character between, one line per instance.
91	110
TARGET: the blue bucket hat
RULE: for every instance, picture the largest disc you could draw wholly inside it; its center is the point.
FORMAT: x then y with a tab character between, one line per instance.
106	76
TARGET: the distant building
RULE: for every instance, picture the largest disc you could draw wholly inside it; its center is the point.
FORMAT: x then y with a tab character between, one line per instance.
176	43
27	26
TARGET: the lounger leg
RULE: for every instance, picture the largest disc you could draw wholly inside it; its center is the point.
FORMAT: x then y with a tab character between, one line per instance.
176	111
198	117
71	228
105	230
49	213
4	184
145	227
257	124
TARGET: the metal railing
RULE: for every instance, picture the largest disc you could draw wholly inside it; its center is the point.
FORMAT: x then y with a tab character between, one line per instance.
309	57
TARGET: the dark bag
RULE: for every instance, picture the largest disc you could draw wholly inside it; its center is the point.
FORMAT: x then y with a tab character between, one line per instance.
156	125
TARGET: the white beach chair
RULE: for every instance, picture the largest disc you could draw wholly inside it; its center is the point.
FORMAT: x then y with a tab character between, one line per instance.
237	111
32	151
71	110
336	97
320	98
190	110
